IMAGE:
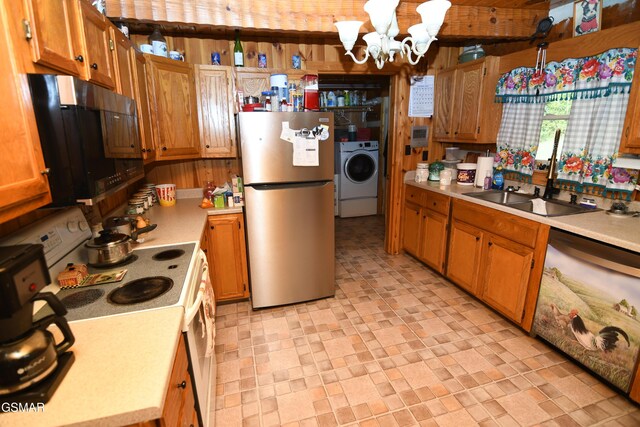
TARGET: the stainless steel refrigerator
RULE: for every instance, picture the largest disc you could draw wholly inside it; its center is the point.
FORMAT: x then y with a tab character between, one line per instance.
288	209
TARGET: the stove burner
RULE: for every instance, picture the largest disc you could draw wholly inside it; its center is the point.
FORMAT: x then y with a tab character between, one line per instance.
140	290
167	255
132	258
82	298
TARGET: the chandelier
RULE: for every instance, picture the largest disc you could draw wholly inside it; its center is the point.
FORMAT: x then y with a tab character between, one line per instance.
381	44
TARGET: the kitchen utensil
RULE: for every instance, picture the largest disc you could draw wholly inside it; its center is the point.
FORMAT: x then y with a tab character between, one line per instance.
109	248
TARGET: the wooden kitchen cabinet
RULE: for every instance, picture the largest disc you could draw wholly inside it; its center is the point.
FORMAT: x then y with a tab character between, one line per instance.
56	46
97	42
443	98
497	257
173	105
227	256
465	110
123	62
630	142
179	407
465	248
24	185
425	226
507	267
215	111
140	94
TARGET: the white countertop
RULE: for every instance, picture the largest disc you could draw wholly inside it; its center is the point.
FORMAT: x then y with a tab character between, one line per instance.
598	225
123	363
120	374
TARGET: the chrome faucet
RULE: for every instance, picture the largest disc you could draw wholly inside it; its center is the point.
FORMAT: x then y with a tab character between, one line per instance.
549	191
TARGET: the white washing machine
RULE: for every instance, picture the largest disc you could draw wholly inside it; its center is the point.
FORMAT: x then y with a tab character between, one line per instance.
358	178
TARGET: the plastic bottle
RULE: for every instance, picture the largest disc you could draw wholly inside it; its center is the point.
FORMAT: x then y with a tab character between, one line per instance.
498	179
487	181
158	43
238	53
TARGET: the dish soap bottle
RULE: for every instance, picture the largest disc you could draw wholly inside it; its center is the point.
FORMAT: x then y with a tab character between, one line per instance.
158	43
498	179
238	53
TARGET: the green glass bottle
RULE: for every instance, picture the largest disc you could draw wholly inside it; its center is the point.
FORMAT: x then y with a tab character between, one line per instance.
238	53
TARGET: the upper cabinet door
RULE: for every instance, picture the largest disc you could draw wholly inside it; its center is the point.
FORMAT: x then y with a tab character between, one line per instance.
23	186
467	114
142	104
122	62
445	89
55	37
215	111
173	105
98	61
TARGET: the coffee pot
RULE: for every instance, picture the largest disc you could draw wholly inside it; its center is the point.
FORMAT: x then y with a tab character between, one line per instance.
29	354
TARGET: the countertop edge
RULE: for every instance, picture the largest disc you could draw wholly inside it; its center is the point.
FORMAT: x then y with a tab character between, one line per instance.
570	223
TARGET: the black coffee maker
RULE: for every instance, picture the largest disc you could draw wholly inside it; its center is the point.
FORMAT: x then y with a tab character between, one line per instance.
32	364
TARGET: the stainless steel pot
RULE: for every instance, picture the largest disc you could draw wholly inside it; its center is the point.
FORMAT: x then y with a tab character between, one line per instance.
109	248
125	225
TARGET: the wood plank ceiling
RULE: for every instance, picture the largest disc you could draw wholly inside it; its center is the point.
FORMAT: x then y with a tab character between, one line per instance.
467	19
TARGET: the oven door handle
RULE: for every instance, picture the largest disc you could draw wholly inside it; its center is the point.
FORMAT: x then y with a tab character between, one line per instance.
193	310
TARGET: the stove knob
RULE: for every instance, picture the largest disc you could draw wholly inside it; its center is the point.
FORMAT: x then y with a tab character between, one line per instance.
84	225
72	226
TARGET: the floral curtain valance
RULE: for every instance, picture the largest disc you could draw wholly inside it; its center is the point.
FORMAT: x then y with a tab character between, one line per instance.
596	76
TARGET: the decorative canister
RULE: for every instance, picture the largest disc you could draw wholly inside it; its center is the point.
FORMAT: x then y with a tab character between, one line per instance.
422	172
434	171
136	206
466	173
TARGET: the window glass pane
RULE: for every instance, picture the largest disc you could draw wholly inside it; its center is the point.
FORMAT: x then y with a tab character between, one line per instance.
558	108
547	134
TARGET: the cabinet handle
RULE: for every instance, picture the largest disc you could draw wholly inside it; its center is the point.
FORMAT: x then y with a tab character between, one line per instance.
626	132
207	146
133	146
164	148
446	132
455	133
46	171
94	66
213	227
79	58
183	384
477	238
490	244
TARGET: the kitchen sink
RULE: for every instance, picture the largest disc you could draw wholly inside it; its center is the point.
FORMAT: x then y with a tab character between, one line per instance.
554	208
501	197
523	202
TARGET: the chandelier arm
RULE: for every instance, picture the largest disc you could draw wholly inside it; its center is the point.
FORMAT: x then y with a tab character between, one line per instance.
409	51
360	62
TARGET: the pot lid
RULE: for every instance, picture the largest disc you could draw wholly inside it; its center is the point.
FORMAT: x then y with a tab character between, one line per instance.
116	221
107	238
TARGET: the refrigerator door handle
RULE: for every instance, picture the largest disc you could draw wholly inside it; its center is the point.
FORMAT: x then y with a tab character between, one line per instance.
594	258
267	187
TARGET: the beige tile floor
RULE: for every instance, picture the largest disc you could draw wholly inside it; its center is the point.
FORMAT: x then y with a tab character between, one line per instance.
398	345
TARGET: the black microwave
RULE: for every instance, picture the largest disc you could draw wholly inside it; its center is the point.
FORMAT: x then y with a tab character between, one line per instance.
76	120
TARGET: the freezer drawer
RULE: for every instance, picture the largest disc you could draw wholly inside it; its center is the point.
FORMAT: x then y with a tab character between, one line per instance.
290	236
268	159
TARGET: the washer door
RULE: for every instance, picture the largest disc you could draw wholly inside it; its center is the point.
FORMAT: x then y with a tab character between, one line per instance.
360	167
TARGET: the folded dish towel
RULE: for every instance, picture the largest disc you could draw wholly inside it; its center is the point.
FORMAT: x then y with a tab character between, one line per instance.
209	314
539	206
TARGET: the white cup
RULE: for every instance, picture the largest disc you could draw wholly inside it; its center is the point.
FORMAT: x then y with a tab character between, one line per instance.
176	56
146	48
445	177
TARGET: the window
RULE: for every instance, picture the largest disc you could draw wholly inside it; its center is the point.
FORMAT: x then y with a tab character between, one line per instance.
556	116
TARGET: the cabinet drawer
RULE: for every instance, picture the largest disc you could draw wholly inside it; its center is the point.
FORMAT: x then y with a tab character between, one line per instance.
415	195
509	226
438	202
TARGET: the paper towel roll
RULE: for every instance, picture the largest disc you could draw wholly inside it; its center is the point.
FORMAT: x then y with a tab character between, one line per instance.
484	164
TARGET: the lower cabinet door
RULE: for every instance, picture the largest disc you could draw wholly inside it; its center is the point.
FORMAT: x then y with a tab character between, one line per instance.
507	267
227	256
435	239
411	233
465	250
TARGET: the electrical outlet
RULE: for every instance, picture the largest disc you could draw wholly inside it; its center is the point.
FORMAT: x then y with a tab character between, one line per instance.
425	156
407	150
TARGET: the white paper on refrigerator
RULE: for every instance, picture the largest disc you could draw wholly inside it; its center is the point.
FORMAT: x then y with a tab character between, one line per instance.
305	152
287	133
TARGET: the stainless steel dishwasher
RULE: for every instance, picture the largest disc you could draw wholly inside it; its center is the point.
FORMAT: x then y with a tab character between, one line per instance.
588	305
